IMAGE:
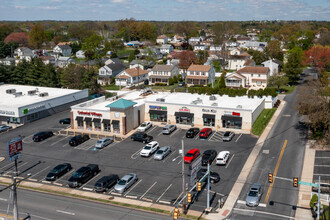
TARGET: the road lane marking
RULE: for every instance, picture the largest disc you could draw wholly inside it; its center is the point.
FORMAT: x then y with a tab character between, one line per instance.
28	138
148	190
58	141
230	160
163	193
243	202
165	202
275	171
286	115
133	187
321	165
266	213
39	171
322	157
64	212
238	137
136	154
2	199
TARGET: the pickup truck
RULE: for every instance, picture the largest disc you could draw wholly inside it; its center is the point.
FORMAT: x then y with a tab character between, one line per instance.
142	137
83	174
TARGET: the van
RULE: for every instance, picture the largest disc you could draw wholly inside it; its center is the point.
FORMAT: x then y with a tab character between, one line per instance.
222	158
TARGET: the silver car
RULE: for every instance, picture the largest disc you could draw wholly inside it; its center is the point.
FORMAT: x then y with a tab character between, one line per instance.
168	129
4	128
228	136
254	195
162	153
125	182
103	142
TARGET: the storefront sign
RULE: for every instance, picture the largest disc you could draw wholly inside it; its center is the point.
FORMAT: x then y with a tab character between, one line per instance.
184	109
90	113
33	109
158	107
117	114
232	113
209	110
236	113
7	112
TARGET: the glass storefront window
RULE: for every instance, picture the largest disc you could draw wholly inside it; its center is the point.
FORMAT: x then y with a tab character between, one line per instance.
232	124
209	122
116	128
107	127
184	120
80	124
97	126
89	125
156	117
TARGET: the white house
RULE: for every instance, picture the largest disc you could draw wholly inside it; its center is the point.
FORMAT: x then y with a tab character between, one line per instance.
230	45
177	39
200	47
195	40
111	69
7	61
65	50
215	48
255	45
80	54
256	76
235	62
200	75
274	66
48	59
24	53
242	40
63	61
162	73
131	77
162	39
166	48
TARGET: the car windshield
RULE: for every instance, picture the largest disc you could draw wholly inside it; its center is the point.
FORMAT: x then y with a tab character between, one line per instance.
99	142
189	155
77	174
159	152
147	148
253	194
143	125
226	134
56	169
122	182
165	129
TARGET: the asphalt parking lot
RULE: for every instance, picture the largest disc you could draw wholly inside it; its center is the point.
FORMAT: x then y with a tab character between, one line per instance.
158	181
322	166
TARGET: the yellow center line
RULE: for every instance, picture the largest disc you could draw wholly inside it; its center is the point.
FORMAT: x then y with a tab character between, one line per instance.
275	171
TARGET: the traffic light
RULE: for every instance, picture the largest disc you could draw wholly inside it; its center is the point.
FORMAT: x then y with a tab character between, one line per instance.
270	177
199	186
295	181
176	214
189	197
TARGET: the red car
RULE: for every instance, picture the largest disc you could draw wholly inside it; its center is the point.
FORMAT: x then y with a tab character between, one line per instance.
205	133
191	155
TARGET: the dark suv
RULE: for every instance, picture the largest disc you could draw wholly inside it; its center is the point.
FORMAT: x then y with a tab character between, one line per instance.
65	121
105	183
83	174
192	132
78	139
42	135
142	137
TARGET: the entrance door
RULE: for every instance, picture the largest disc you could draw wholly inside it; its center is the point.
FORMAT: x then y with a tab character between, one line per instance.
139	118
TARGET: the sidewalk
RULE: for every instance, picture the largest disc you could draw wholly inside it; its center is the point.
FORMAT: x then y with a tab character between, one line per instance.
303	210
240	182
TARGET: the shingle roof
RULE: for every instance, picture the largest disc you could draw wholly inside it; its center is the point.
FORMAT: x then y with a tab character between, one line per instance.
135	72
116	68
248	63
166	68
161	37
122	104
253	69
204	68
64	47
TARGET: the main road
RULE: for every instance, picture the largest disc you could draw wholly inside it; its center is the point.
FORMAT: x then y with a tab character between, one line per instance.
43	206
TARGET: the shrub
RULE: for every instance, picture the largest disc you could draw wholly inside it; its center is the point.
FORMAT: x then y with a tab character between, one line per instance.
160	84
170	81
313	200
175	79
180	78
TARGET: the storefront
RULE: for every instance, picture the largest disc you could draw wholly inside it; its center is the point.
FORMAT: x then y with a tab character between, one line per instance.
232	120
158	113
209	120
183	116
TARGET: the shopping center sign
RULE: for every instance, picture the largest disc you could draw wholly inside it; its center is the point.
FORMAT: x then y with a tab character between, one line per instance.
89	113
14	149
184	109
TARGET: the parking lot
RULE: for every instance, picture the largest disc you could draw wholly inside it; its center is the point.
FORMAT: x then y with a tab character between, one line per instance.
322	166
158	181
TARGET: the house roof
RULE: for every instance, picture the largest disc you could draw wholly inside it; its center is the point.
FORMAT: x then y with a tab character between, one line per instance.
166	46
196	77
122	76
203	68
248	63
136	71
164	68
243	38
161	37
237	75
245	54
264	80
122	104
64	47
236	57
277	61
116	67
253	69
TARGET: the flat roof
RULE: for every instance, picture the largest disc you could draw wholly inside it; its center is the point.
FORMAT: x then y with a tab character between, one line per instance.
9	101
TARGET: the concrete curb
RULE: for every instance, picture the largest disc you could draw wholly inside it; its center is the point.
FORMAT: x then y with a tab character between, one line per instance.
241	180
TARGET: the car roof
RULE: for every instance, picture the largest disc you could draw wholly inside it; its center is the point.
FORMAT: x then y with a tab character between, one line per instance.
192	150
208	151
103	139
205	129
222	153
255	185
152	143
164	148
127	176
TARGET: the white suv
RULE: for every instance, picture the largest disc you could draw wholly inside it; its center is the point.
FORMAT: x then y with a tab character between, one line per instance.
149	149
223	157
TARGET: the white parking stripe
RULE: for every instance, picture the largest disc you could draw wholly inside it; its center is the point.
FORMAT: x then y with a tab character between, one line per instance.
28	139
21	165
176	130
71	171
238	137
180	161
163	193
151	129
39	172
89	181
178	198
148	190
133	187
168	156
58	141
136	154
230	160
212	135
321	165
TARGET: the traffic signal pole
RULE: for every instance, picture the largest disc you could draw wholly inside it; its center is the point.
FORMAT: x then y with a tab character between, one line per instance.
318	199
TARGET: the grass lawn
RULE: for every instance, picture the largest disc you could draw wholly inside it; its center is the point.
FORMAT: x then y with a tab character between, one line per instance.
165	87
111	87
287	89
125	51
262	121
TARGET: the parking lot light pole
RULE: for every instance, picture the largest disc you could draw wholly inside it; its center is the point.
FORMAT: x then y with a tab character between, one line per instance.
183	181
208	187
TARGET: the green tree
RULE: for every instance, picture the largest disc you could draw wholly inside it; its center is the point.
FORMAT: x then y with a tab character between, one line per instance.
257	56
71	77
278	81
49	77
37	36
203	55
20	72
216	65
222	80
35	72
293	67
146	31
273	50
131	57
75	47
92	47
5	30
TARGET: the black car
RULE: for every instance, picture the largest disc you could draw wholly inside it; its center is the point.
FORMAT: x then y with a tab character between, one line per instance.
58	171
181	84
65	121
78	139
105	183
208	157
42	135
214	177
83	174
142	137
192	132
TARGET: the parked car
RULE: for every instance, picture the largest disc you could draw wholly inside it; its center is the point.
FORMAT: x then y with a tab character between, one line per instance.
58	171
214	177
145	126
181	84
83	174
142	137
192	132
223	158
162	153
40	136
208	157
228	135
65	121
105	183
191	155
149	149
103	142
205	133
254	195
125	182
168	129
78	139
5	128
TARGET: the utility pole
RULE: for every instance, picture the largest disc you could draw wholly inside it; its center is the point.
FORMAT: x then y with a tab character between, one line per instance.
15	209
318	199
183	181
208	187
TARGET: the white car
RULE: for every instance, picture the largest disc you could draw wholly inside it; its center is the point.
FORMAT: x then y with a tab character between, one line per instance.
222	158
145	126
149	149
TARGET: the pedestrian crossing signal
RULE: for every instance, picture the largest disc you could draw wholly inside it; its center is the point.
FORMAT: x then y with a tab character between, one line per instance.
295	182
270	177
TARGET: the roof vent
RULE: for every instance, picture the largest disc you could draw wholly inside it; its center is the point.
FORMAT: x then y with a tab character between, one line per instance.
214	104
10	91
160	100
17	94
43	94
239	106
212	98
32	92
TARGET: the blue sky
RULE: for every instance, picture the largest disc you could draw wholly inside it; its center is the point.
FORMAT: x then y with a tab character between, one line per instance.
165	10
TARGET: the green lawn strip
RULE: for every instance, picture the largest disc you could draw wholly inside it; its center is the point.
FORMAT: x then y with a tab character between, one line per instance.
125	51
262	121
150	209
164	87
288	89
111	87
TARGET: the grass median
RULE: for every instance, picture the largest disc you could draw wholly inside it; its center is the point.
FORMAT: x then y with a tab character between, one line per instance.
262	121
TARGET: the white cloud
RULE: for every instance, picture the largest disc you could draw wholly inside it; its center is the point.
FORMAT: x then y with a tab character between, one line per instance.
50	7
20	7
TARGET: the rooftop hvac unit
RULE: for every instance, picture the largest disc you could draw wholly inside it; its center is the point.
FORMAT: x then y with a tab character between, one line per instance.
32	92
160	100
44	94
212	98
17	94
214	104
10	91
239	106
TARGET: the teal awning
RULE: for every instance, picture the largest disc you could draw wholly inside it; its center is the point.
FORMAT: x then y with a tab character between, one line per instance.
121	104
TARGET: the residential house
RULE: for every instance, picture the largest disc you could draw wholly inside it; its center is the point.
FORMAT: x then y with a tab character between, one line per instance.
47	59
255	76
198	47
235	80
24	53
235	62
162	39
215	48
195	40
230	45
7	61
242	40
166	48
65	50
134	44
206	43
143	64
111	69
131	77
63	62
200	75
177	39
162	73
80	54
274	66
255	45
236	51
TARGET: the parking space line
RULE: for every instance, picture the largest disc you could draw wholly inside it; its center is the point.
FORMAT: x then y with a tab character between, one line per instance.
26	138
163	193
21	165
58	141
197	135
161	132
82	186
153	128
39	171
168	156
133	187
180	161
148	189
178	198
230	160
66	145
151	157
176	130
212	135
238	137
136	154
71	171
10	164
